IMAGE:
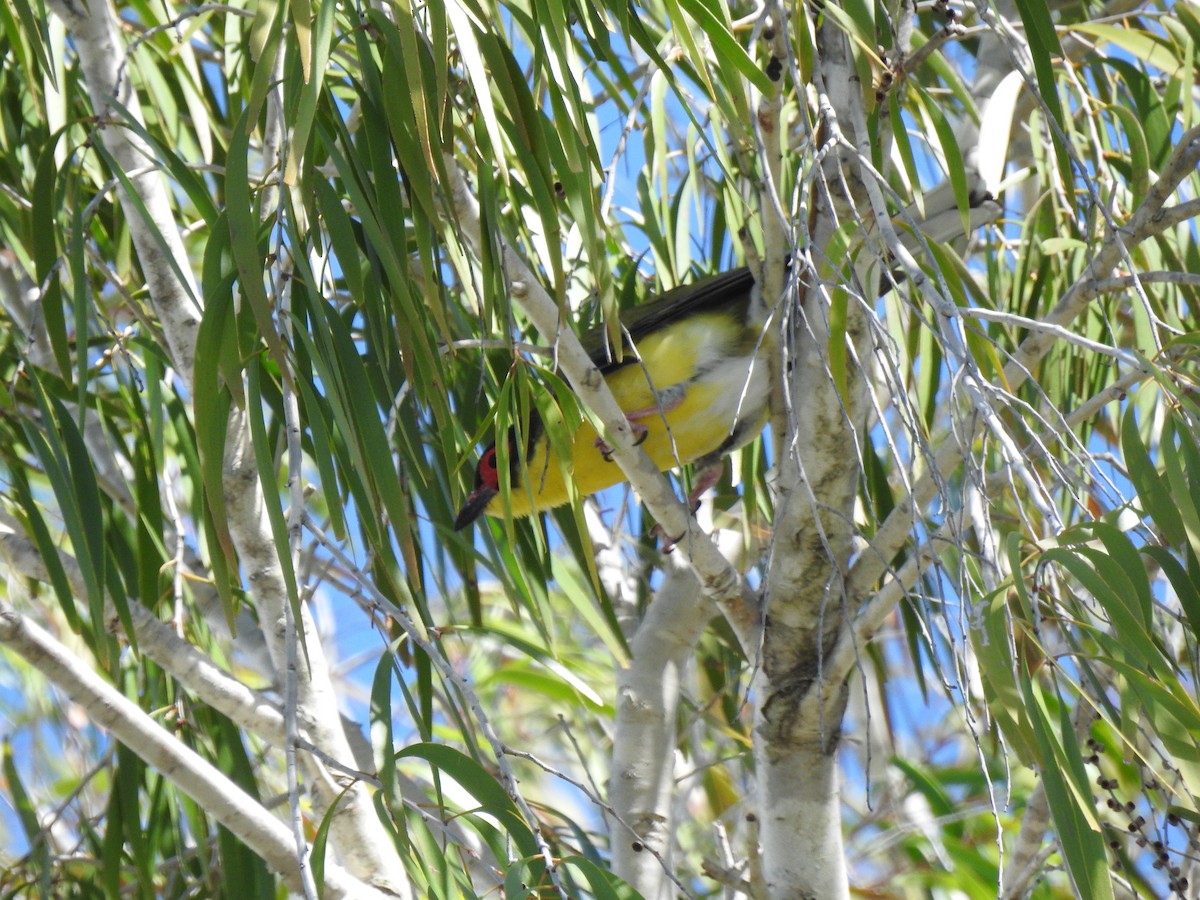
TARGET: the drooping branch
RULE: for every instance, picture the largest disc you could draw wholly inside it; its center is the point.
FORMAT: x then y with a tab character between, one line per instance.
894	531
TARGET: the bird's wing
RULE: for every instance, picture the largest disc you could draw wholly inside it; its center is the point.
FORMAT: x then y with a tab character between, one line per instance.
731	288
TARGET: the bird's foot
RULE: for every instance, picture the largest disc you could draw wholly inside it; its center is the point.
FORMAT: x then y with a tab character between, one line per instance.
668	543
708	474
639	432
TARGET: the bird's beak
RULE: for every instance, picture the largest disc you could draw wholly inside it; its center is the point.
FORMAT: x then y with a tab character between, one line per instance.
475	505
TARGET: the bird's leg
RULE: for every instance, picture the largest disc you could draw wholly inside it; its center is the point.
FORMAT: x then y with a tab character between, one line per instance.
708	473
668	400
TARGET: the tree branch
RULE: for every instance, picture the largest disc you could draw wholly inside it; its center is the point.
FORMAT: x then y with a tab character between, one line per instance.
155	234
196	777
644	737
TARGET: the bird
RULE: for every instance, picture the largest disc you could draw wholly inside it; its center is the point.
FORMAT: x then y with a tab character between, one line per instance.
692	380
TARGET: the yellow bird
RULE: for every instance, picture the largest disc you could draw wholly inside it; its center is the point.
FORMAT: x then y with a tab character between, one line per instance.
692	381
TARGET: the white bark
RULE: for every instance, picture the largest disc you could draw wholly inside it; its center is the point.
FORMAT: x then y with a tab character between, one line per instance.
800	823
799	711
174	292
642	786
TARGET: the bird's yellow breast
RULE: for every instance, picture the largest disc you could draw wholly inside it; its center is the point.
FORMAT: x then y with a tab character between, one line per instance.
711	358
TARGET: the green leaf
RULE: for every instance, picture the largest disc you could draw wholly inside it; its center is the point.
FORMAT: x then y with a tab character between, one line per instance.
604	884
1004	682
1181	467
1103	578
713	19
244	232
1187	589
1070	797
27	815
47	548
68	469
477	72
314	59
381	720
1044	48
1060	245
28	33
45	206
482	786
1139	154
687	40
1153	493
904	147
216	370
1153	50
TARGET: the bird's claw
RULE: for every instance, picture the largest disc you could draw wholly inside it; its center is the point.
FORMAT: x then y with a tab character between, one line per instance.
640	432
669	543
